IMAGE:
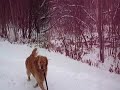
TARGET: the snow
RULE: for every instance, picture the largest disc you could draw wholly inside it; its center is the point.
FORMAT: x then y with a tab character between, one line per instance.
63	72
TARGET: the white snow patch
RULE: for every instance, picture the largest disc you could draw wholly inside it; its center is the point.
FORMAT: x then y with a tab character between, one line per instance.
63	72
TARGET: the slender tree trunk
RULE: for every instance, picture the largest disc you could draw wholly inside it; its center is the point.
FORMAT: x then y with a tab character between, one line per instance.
99	28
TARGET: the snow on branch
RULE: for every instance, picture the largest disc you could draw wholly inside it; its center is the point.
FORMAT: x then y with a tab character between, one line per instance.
83	9
76	19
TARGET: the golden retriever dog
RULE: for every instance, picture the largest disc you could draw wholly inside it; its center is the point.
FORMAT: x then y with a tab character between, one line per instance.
37	66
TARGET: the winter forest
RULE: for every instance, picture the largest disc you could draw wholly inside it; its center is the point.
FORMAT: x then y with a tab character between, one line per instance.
87	31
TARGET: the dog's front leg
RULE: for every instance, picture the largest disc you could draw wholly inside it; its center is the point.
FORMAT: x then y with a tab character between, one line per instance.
28	74
41	85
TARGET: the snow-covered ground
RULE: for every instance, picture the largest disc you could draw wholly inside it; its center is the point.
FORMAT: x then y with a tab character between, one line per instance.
63	73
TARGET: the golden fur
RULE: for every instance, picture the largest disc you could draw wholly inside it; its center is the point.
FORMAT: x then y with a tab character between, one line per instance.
37	66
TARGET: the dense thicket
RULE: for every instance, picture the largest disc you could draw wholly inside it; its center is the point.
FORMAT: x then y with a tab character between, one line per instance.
72	27
24	20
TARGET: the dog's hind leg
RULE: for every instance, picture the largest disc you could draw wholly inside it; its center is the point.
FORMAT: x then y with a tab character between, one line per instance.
28	74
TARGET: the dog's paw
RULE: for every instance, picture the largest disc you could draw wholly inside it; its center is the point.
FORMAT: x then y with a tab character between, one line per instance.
36	85
28	79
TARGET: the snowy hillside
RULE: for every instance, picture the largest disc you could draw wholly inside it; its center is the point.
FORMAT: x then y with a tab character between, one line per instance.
63	73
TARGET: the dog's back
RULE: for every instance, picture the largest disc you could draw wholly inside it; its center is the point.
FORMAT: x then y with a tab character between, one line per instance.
29	64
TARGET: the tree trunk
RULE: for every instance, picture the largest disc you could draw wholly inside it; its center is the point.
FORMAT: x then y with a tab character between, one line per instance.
99	28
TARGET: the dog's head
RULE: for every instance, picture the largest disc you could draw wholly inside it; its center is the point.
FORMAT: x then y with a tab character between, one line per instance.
42	63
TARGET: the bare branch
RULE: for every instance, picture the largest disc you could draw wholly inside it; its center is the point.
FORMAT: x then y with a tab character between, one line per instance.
43	3
116	11
89	15
83	9
76	19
